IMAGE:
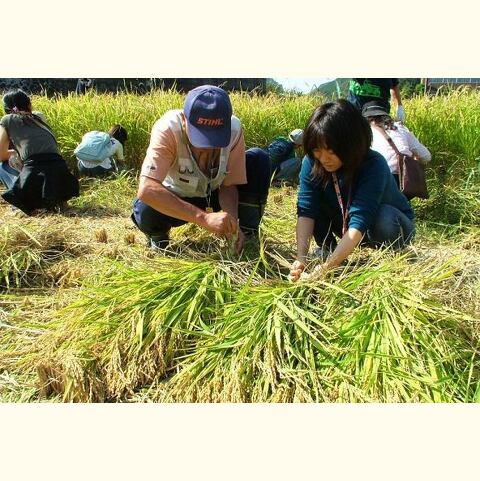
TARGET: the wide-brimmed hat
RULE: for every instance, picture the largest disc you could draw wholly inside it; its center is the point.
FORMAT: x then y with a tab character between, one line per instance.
208	113
373	109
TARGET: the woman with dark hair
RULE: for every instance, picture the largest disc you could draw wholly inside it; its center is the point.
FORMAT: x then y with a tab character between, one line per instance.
390	136
104	164
44	181
346	190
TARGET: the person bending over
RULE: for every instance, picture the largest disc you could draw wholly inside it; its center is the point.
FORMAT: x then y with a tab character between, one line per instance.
98	152
44	181
195	170
385	131
363	90
347	191
283	157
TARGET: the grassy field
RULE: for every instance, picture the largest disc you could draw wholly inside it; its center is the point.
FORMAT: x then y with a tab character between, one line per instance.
88	313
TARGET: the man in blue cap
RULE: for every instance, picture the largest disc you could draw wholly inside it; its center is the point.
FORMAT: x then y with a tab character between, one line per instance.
195	170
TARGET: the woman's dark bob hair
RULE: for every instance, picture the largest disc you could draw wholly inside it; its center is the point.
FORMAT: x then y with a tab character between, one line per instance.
16	99
338	126
119	133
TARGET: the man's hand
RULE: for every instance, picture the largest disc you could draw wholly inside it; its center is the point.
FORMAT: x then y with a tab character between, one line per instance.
239	242
221	224
296	271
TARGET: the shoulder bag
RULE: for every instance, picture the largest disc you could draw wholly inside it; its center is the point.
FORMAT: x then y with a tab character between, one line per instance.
411	173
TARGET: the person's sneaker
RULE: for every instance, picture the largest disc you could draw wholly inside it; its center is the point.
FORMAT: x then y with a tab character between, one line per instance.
159	242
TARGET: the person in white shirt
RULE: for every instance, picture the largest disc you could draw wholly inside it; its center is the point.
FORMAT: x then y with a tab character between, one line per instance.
381	123
118	136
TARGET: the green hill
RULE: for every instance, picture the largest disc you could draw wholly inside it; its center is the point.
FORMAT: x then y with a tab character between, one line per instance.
333	88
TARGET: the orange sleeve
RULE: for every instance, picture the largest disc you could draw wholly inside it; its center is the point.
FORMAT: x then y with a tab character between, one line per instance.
237	173
161	152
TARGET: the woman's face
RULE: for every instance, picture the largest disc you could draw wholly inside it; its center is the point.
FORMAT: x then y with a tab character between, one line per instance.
329	160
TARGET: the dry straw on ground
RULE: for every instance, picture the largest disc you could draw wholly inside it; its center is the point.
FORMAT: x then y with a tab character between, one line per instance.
88	313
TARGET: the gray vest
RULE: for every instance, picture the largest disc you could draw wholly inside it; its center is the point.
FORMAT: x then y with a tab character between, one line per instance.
185	178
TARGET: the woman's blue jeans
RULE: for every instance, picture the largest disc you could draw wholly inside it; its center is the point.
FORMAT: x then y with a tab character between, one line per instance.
8	175
391	228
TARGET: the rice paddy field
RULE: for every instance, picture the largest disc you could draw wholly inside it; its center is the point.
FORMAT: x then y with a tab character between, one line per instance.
89	314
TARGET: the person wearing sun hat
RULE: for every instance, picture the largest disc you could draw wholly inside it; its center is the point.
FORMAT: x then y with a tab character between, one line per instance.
383	126
195	170
296	136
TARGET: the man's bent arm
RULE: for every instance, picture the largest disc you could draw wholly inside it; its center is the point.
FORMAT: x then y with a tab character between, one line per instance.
228	199
154	194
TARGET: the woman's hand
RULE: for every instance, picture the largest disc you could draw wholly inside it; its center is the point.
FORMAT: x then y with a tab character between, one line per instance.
5	152
317	274
296	271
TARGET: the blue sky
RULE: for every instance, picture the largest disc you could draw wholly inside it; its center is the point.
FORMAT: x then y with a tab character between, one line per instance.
301	84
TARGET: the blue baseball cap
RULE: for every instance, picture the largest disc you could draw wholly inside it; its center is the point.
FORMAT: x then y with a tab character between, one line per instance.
208	113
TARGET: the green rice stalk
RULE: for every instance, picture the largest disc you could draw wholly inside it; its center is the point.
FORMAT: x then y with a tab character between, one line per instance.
128	331
374	335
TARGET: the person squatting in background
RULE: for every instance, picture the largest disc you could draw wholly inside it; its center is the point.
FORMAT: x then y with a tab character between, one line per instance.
44	181
283	157
10	169
196	170
385	130
363	90
98	152
346	191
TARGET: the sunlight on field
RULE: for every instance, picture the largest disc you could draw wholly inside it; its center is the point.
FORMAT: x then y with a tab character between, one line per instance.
88	313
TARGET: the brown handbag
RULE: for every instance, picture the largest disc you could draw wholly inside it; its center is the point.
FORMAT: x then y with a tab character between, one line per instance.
411	173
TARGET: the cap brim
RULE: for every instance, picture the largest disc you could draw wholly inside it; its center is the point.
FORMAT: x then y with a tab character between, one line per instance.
374	112
209	138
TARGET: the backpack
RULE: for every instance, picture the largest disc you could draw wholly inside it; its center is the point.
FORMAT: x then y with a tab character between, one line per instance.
279	150
95	147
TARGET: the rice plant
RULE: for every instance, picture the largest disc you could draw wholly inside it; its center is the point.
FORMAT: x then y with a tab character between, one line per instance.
374	335
26	253
126	331
88	314
211	333
111	197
